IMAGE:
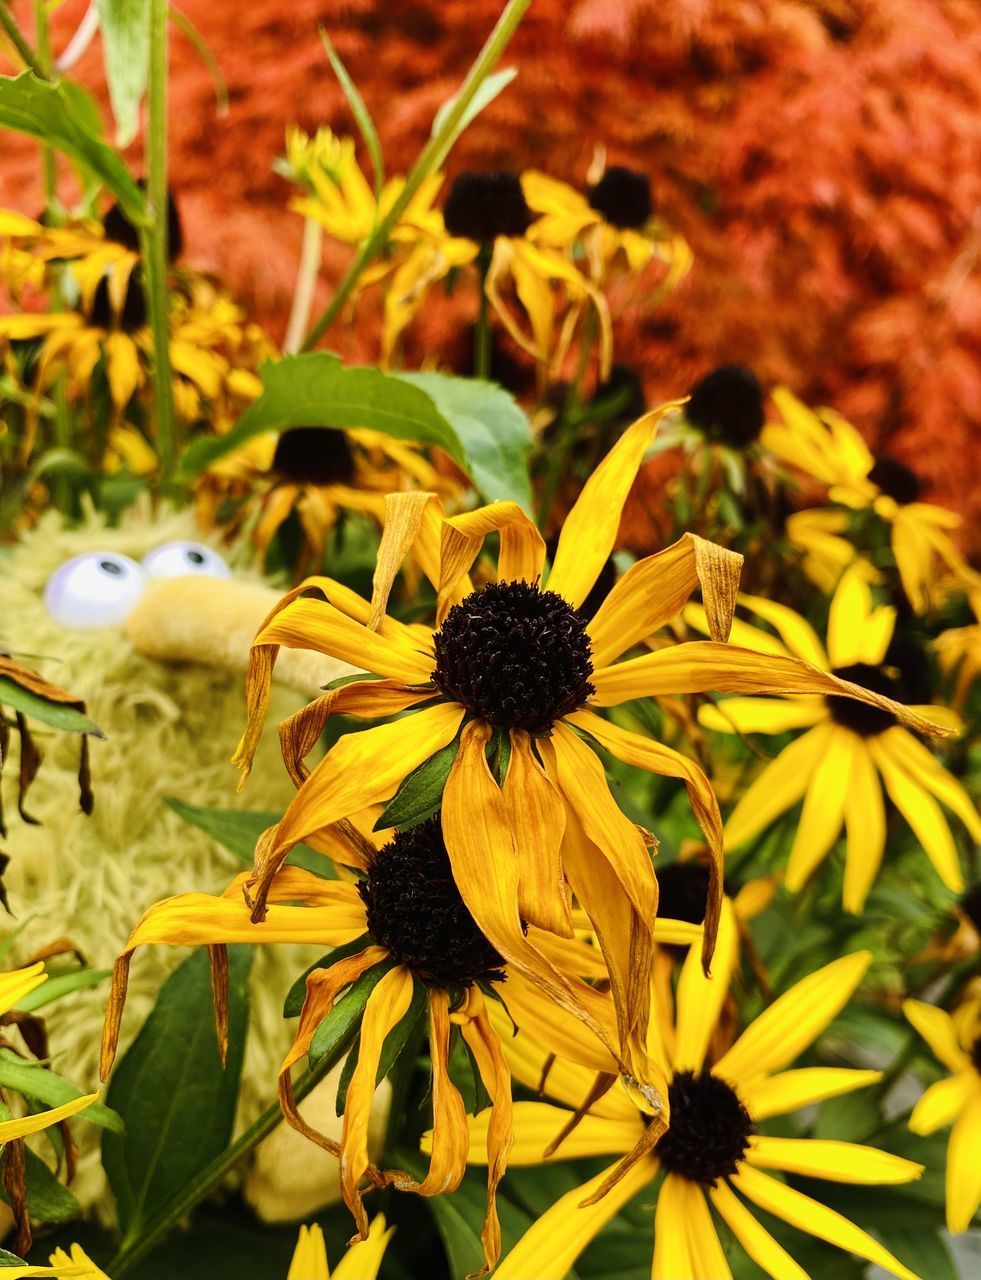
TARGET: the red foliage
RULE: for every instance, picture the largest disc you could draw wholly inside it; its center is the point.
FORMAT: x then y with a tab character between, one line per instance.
823	159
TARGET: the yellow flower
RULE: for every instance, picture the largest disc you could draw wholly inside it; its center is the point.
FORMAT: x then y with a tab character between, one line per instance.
826	447
713	1155
613	221
421	949
956	1042
14	986
514	664
360	1262
959	651
836	766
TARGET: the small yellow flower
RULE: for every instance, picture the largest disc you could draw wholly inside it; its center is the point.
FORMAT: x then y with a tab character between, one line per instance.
956	1042
836	766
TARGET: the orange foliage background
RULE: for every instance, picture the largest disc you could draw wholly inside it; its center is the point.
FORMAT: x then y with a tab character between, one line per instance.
823	157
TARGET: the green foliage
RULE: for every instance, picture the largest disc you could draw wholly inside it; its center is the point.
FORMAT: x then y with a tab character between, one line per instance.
36	1081
237	830
58	985
485	95
339	1025
125	27
175	1098
478	425
421	791
48	1200
57	714
297	992
64	116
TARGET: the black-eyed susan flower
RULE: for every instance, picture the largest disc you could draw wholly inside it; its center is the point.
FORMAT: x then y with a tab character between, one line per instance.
361	1261
405	927
955	1040
837	765
614	222
512	667
827	448
714	1157
958	651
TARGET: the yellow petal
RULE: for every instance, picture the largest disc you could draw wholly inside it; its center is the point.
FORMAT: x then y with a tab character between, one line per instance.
944	1101
796	632
790	1090
809	1215
921	811
18	983
549	1248
361	769
707	1255
834	1161
865	825
672	1250
824	806
794	1020
310	1256
536	812
963	1176
921	764
522	554
386	1007
403	519
857	631
590	530
698	666
323	986
700	998
937	1028
761	715
779	787
364	1258
654	590
537	1124
486	868
754	1238
122	367
645	753
24	1125
79	1266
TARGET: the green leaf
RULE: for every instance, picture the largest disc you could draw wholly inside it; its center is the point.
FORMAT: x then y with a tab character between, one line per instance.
395	1042
421	791
478	424
341	681
39	1082
58	985
237	830
492	430
57	714
355	101
175	1099
339	1023
293	1003
48	1200
484	96
10	1259
924	1252
65	116
125	27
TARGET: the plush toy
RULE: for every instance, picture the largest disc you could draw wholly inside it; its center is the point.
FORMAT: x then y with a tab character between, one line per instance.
152	629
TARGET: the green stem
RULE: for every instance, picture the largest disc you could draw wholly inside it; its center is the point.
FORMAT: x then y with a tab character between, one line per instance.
571	419
432	156
482	333
16	37
153	242
213	1174
48	163
306	283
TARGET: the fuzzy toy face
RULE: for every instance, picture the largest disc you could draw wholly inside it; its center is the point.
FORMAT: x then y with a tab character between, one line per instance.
170	728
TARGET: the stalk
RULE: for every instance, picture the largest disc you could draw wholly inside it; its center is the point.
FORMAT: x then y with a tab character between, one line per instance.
153	242
48	163
431	157
482	333
16	38
213	1174
306	282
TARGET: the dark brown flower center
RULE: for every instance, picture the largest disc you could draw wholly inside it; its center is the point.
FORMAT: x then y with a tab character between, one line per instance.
414	910
896	480
623	197
314	455
483	206
859	716
709	1130
727	406
514	656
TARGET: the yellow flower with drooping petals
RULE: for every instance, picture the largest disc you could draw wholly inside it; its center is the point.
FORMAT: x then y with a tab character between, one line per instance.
836	766
956	1042
513	665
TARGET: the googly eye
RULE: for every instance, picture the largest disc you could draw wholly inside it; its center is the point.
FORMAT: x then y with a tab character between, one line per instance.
178	559
97	589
